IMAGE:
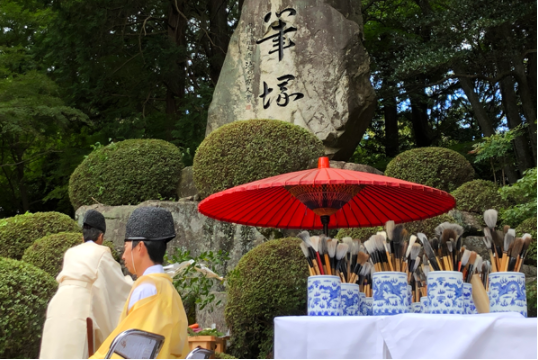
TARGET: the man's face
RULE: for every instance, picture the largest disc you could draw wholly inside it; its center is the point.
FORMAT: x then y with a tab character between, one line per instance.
129	256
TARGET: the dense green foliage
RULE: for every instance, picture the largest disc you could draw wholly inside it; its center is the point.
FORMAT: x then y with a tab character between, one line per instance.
47	253
25	291
523	193
436	167
362	234
245	151
269	281
19	232
529	226
477	196
128	172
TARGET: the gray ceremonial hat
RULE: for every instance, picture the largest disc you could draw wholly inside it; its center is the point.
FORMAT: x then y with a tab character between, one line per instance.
150	223
95	219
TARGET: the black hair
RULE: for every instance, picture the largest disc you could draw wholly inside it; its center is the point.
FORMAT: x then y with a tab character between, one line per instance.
156	249
90	233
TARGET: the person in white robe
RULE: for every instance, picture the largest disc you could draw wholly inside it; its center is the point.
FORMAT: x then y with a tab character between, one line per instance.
91	285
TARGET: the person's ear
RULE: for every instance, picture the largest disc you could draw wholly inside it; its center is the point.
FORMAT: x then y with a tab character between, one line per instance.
101	238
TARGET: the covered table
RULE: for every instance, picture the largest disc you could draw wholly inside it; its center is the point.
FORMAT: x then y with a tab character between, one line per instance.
501	335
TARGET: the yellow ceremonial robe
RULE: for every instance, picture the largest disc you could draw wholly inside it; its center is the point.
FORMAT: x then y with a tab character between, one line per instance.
161	314
91	284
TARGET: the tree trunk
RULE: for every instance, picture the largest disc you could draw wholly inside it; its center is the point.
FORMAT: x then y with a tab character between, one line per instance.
419	119
509	101
177	26
528	100
478	110
219	37
390	110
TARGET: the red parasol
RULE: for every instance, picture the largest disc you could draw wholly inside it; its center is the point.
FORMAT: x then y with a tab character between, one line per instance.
335	198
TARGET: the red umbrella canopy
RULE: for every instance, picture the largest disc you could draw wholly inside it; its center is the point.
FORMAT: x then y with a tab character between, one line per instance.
346	198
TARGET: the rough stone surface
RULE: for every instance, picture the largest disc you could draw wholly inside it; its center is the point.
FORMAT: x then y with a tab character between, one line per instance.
471	223
194	232
476	243
328	61
348	166
186	185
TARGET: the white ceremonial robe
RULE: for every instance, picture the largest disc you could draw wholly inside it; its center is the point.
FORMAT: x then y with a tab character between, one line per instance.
91	284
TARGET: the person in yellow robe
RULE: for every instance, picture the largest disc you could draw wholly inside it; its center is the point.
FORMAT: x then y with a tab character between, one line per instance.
91	284
154	305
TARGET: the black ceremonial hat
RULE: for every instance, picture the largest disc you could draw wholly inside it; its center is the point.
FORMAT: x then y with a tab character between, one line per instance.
95	219
150	223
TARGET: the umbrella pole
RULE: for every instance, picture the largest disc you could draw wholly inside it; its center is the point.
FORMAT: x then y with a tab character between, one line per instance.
325	221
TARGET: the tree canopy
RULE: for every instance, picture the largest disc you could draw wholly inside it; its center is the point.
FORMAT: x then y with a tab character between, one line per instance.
75	75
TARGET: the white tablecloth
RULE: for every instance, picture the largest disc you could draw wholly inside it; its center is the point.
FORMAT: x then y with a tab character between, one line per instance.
492	336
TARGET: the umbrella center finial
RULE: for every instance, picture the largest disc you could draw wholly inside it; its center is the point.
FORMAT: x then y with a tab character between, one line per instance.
323	162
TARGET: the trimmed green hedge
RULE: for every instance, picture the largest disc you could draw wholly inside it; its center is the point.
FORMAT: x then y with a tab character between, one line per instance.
47	253
19	232
115	253
424	226
478	196
250	150
362	234
437	167
270	280
531	298
127	172
25	291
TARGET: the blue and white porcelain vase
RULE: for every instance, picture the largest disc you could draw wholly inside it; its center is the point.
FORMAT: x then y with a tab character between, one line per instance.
363	311
425	305
324	295
390	293
350	299
368	301
507	292
417	308
445	292
467	297
409	299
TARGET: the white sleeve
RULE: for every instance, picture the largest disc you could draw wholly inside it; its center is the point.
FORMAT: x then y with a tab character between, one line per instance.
142	291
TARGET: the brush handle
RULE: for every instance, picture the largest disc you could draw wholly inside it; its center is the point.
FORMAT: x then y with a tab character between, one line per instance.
328	264
316	267
512	264
493	262
480	296
521	259
390	262
320	264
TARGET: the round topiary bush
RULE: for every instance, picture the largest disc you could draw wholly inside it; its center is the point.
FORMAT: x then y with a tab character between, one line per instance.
19	232
25	292
47	253
437	167
269	281
477	196
127	172
362	234
245	151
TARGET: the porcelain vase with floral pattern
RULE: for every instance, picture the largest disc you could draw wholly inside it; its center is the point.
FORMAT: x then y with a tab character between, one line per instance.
350	299
425	305
324	296
390	293
507	292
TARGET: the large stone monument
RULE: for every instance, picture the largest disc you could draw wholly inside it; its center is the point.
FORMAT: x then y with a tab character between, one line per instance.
301	62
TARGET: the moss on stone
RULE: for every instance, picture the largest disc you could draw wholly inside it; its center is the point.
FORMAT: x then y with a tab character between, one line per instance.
250	150
48	252
25	291
477	196
19	232
127	172
270	280
437	167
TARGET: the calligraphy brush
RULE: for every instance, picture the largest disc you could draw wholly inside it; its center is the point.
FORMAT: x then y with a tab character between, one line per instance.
365	270
513	252
403	251
314	240
488	241
413	258
387	252
362	258
527	238
486	270
331	250
508	240
480	296
445	244
372	250
306	253
354	255
380	250
428	251
324	255
464	260
305	236
397	240
412	241
436	246
490	218
341	251
470	267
